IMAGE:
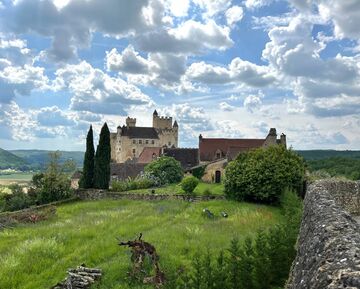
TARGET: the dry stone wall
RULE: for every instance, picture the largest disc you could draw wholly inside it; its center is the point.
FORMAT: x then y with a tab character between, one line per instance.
329	242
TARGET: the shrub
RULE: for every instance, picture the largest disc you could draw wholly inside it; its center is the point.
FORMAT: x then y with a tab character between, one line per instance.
262	175
131	184
16	200
188	184
166	169
199	172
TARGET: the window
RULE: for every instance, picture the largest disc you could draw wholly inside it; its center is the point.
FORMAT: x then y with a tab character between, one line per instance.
134	141
140	141
152	142
147	141
134	151
169	143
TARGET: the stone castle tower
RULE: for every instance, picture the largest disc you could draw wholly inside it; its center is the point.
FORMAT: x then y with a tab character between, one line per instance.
129	141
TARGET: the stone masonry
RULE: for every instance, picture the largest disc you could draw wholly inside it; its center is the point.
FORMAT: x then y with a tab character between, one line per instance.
328	255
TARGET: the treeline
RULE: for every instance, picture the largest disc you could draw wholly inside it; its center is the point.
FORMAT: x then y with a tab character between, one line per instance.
337	167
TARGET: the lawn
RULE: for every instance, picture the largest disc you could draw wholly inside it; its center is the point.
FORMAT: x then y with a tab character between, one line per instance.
38	255
213	189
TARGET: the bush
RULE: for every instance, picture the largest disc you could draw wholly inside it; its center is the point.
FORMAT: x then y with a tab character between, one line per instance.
263	174
16	200
199	172
188	184
131	184
166	169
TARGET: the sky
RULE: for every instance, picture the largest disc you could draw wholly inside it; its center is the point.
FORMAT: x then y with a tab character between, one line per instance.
221	68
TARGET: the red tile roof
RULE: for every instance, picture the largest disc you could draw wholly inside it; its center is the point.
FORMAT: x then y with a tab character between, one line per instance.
228	147
146	156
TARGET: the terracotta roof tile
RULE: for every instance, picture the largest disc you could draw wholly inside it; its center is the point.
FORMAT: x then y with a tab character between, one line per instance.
228	147
147	155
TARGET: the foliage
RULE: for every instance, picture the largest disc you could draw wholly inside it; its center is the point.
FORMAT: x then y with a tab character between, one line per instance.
102	160
336	167
166	169
87	178
16	200
262	175
199	172
262	262
188	184
131	184
54	184
309	155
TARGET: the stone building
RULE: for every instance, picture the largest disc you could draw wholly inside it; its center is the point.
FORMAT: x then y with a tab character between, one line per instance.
129	141
216	152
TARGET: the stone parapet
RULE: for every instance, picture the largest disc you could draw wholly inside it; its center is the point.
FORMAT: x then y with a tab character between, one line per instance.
328	254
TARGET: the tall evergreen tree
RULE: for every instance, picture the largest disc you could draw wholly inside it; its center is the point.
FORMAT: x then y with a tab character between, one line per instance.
87	179
102	160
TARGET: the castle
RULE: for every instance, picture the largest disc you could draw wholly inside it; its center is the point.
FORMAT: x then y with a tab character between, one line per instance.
133	147
130	141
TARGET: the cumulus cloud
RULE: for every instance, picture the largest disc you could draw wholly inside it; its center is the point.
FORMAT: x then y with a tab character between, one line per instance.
95	91
238	71
190	37
253	102
226	107
234	14
53	116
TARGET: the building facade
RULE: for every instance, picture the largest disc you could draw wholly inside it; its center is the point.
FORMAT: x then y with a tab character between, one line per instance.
129	141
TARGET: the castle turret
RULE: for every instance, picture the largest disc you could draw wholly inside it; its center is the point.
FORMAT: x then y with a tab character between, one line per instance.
161	122
155	113
283	139
271	138
119	130
130	122
175	125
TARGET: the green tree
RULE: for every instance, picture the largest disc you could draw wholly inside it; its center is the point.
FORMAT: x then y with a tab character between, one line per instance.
263	174
261	273
87	178
17	200
188	184
102	160
233	264
165	169
54	184
246	264
220	272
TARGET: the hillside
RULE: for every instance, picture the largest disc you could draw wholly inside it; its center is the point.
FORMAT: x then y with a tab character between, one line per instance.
25	160
325	154
9	160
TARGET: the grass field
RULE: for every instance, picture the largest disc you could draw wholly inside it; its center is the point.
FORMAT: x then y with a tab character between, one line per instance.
38	255
20	178
214	189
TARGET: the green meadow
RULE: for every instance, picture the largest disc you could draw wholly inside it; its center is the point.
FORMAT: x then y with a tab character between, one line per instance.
38	255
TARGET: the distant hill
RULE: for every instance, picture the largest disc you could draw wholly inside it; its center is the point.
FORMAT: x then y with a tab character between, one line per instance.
35	159
10	161
325	154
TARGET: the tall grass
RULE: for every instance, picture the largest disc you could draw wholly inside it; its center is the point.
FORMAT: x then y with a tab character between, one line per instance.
38	255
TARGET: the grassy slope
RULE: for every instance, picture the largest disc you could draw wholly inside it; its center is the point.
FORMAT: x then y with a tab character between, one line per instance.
9	160
37	256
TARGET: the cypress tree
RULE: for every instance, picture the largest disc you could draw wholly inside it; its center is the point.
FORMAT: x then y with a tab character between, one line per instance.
102	160
87	179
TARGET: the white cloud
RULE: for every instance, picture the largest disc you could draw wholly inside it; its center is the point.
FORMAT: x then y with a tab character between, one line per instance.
253	102
212	7
234	14
128	61
97	92
226	107
190	37
238	71
255	4
53	116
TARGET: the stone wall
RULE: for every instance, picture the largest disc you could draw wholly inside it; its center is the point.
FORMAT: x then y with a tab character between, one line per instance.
328	253
94	194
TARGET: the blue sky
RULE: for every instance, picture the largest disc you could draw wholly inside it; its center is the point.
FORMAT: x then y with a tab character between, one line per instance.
221	68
